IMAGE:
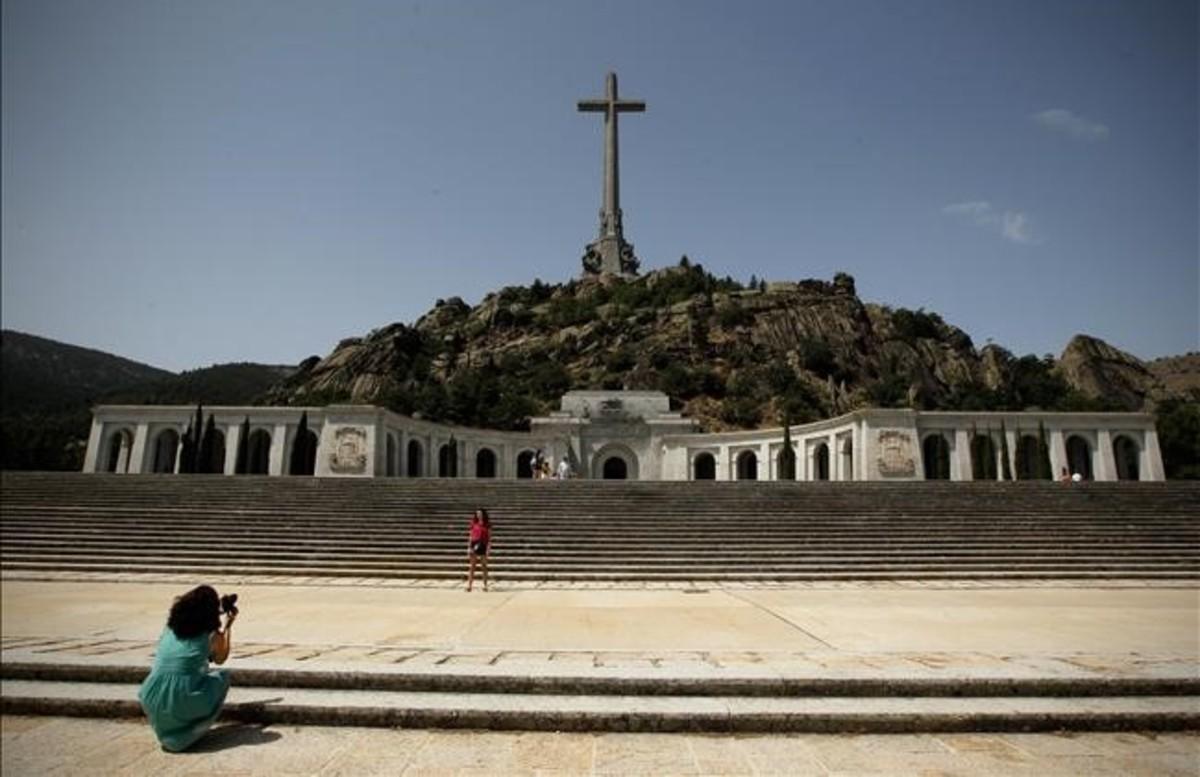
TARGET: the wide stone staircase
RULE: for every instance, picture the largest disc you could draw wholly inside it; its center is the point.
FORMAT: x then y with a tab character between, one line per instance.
600	530
587	533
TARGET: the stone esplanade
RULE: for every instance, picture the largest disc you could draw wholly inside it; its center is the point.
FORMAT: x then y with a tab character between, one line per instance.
635	435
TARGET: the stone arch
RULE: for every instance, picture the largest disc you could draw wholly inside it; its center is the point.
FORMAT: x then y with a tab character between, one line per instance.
704	466
304	463
392	463
1028	455
1079	456
448	461
847	459
416	459
604	470
485	463
1126	455
258	453
120	446
525	465
983	458
820	462
747	465
935	455
166	451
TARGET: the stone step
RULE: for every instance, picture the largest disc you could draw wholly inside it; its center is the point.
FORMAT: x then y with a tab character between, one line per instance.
683	573
700	684
576	712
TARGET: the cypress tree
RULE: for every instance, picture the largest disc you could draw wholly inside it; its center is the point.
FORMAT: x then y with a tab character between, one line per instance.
204	459
1005	466
299	464
187	452
787	456
243	449
1044	470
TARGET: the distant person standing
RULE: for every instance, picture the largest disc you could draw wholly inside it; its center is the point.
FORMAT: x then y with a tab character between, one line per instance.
564	469
479	542
180	696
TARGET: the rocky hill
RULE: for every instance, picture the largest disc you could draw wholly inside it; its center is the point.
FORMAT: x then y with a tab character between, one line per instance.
729	355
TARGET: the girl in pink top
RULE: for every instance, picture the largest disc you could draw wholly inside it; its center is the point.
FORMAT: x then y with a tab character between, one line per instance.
478	542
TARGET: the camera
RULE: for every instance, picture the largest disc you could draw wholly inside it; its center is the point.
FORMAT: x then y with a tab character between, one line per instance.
229	603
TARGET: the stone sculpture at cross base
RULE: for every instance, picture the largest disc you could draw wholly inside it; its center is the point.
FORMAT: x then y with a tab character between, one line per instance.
609	254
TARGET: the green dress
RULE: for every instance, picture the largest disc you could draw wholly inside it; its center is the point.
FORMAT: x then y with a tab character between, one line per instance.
181	697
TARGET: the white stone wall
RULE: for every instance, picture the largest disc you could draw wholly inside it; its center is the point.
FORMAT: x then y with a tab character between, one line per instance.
659	445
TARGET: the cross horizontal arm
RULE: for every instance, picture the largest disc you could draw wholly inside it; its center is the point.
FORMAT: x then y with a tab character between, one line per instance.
593	106
633	106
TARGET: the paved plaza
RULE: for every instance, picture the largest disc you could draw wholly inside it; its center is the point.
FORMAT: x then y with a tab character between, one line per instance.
883	631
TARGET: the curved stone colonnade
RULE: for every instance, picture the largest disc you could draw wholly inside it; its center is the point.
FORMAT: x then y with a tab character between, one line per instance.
635	436
918	445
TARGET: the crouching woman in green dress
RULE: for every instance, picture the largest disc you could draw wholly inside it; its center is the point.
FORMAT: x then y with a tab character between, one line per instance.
181	696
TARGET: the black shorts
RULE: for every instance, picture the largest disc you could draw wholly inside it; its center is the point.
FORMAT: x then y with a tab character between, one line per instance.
479	548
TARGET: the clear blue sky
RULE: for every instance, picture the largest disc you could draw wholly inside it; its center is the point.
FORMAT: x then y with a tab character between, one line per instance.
186	183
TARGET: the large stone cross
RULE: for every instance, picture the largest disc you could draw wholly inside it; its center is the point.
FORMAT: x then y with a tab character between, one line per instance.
610	253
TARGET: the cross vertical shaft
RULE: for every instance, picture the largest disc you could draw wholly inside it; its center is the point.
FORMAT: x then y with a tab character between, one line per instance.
610	253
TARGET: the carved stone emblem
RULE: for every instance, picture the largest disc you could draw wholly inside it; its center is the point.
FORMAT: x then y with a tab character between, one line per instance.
611	406
896	454
349	454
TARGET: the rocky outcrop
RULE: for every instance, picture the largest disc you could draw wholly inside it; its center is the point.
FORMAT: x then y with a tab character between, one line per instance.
1100	371
731	356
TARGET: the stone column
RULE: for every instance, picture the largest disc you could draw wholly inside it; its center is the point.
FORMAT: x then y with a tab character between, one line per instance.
766	467
1011	435
962	456
91	458
276	464
1108	464
137	457
1058	453
233	437
1152	463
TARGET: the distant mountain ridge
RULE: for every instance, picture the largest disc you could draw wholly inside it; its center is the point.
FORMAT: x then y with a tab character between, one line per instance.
47	389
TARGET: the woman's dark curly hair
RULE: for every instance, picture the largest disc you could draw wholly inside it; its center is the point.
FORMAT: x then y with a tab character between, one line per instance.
196	612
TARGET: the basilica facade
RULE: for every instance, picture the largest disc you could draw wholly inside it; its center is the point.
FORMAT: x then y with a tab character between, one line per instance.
633	435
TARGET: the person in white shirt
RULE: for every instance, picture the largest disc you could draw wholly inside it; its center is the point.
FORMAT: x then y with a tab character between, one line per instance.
564	469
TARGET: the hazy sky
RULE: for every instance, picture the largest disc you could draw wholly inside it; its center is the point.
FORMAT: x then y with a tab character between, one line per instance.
186	183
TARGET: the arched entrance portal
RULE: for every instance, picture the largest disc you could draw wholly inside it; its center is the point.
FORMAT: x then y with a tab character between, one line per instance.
166	448
747	466
821	462
1126	454
983	458
258	452
1029	459
416	463
485	463
935	453
120	445
525	465
615	462
615	469
704	467
1079	457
